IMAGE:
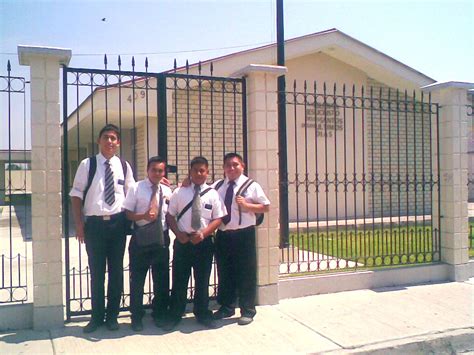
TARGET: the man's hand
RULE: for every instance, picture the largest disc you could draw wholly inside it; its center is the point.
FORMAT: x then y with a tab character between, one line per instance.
150	215
186	182
165	181
196	237
182	237
241	202
80	233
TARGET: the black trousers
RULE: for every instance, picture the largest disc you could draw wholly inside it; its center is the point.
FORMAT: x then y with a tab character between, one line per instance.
141	259
236	258
199	258
105	245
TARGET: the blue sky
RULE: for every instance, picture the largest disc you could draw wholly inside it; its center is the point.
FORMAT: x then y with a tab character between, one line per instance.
435	37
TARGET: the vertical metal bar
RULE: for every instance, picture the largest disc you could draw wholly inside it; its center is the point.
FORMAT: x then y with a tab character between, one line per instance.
223	118
355	183
326	174
147	113
345	168
372	167
244	121
282	139
120	101
399	195
162	117
381	243
336	178
439	236
364	178
297	178
188	119
134	124
389	246
407	182
317	182
234	89
9	91
415	177
212	121
65	197
200	110
306	175
106	91
423	179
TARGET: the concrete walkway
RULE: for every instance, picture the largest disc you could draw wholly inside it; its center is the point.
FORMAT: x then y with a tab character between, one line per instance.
433	318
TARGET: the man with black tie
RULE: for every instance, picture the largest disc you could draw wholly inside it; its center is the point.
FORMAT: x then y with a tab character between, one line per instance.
235	241
97	194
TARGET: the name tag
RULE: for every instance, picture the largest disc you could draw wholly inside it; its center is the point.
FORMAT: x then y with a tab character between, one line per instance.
121	182
208	206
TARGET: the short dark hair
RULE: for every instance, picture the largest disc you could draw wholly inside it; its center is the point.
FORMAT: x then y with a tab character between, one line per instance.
155	159
199	160
233	155
110	127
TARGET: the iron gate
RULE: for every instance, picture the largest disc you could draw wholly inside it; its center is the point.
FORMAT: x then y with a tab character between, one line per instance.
363	178
174	114
15	191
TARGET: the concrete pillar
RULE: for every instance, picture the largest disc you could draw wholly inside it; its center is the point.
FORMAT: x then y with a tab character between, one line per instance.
454	128
262	133
46	182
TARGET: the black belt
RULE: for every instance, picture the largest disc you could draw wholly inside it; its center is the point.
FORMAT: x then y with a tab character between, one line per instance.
233	231
105	218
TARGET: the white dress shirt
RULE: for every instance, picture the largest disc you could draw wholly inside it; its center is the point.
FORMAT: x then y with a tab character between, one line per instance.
253	194
138	200
212	206
94	204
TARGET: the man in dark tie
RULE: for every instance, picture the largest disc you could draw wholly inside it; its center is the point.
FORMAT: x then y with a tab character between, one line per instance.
235	241
194	213
97	196
146	204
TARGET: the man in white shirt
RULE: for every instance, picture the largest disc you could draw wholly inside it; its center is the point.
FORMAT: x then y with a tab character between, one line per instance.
146	203
104	230
193	215
235	241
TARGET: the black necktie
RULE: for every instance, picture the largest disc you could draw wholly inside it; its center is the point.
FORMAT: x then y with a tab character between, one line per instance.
229	196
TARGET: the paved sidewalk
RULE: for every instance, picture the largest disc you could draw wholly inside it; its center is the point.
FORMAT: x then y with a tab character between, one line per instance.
433	318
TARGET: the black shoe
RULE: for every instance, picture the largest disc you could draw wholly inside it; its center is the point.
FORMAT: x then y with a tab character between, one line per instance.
137	325
171	324
160	322
244	320
223	313
91	327
207	322
112	324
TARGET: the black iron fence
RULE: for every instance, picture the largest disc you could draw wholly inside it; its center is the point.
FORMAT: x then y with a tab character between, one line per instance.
363	178
174	114
15	192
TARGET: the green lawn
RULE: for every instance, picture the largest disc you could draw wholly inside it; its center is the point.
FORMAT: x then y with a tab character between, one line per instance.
410	243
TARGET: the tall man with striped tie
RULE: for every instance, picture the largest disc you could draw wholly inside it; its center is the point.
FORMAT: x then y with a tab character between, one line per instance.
100	222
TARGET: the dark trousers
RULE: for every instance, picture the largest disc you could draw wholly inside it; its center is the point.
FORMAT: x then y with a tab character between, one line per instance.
199	258
141	259
105	245
236	258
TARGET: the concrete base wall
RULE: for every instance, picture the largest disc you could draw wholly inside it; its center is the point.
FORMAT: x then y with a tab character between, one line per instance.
319	284
16	316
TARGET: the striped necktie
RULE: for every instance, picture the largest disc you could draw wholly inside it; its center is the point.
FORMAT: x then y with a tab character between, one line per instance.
196	210
109	191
